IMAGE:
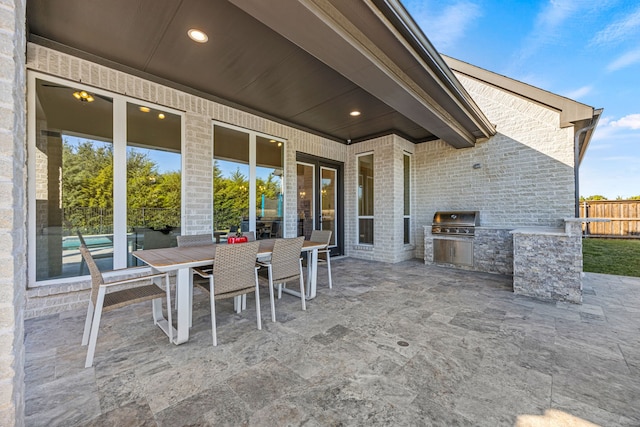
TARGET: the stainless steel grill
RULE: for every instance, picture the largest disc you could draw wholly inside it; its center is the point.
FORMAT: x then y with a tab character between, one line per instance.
462	223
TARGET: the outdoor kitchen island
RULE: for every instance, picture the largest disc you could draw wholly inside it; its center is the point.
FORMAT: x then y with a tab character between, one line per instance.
546	262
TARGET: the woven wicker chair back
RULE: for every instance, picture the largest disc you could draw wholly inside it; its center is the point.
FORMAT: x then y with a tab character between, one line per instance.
285	258
195	240
234	267
96	276
321	236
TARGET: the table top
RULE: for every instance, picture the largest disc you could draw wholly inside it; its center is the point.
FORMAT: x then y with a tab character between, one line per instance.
167	259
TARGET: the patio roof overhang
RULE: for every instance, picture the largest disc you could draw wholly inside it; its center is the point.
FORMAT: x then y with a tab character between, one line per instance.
303	63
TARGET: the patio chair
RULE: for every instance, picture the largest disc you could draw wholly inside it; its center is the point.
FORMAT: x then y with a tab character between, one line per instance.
324	255
285	265
234	274
112	295
196	240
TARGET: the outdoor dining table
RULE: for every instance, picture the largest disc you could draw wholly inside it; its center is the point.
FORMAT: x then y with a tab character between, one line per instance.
182	259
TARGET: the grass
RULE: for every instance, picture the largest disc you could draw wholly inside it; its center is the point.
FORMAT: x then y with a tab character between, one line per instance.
611	256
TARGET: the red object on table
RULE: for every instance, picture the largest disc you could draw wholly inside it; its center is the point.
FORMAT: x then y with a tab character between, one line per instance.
242	239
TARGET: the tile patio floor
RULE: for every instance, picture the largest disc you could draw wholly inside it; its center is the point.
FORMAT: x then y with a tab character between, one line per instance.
476	355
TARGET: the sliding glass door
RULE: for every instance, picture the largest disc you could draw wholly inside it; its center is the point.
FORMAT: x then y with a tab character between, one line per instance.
319	198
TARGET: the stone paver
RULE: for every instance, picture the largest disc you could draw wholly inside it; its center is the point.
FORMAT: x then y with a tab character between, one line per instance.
477	355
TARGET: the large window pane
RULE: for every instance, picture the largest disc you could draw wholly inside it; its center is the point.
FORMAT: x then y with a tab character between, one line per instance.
328	200
365	199
269	190
153	178
407	199
305	186
230	179
74	179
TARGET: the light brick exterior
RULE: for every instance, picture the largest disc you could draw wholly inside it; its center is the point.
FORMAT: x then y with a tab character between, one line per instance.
526	174
12	211
388	177
525	178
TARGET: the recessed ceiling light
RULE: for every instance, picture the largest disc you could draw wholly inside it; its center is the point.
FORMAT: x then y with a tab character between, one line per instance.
279	144
197	36
272	140
145	109
161	116
354	113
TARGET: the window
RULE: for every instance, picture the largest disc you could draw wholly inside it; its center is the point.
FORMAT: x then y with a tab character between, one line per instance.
154	165
407	199
100	166
365	199
247	182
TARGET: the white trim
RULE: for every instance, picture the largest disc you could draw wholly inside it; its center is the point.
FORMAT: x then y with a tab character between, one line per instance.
253	134
119	184
119	115
357	213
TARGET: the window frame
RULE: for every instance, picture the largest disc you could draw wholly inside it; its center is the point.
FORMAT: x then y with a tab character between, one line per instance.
119	142
358	216
253	134
406	214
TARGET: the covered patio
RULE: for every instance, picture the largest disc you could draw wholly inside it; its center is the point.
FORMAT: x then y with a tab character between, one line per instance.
390	344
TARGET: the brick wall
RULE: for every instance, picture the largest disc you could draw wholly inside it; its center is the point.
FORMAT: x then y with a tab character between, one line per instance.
197	153
12	211
525	175
388	177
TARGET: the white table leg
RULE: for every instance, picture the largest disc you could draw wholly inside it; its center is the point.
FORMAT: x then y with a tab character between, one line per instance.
158	316
184	305
313	275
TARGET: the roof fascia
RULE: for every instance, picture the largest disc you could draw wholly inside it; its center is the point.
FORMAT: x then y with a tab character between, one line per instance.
421	47
338	43
570	111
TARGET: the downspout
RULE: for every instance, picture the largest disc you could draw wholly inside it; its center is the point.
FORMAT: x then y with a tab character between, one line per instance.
576	171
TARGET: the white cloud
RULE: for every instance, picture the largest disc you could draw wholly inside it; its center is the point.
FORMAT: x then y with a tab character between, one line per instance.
618	30
579	93
625	60
547	24
632	121
445	28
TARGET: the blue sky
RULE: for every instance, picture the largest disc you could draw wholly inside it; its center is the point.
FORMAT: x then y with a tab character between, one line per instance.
585	50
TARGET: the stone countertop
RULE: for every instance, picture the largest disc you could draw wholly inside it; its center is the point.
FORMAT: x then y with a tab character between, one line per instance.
547	231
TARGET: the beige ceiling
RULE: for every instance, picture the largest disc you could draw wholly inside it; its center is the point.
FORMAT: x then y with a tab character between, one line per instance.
304	63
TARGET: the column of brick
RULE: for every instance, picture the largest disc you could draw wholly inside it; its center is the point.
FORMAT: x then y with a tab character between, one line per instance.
12	210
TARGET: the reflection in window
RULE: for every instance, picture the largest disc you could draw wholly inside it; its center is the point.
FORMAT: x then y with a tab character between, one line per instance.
305	186
230	179
269	194
153	178
365	199
233	185
74	180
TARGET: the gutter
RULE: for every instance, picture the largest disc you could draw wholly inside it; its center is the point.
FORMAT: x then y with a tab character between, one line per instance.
579	153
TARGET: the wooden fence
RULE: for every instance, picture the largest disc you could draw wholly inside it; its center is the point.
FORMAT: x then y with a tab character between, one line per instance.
624	216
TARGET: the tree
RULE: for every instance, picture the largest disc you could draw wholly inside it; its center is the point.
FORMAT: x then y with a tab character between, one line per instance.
594	197
231	198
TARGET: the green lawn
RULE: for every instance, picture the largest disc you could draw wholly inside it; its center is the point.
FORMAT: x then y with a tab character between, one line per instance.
611	256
